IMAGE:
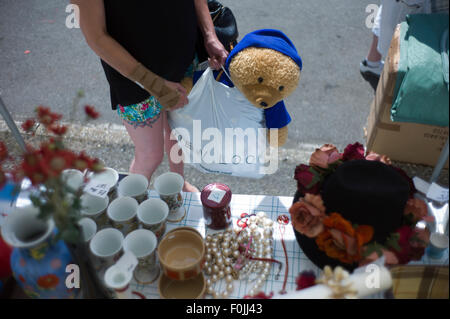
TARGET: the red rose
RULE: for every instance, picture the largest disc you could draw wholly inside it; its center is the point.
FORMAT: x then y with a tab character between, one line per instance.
404	253
324	156
353	152
305	279
307	180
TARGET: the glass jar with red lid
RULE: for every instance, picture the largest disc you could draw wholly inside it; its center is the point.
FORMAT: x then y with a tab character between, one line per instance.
216	200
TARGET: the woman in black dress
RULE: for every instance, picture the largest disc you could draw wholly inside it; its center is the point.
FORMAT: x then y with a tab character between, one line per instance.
146	47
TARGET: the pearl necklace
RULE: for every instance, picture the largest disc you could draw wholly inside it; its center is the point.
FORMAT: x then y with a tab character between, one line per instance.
242	253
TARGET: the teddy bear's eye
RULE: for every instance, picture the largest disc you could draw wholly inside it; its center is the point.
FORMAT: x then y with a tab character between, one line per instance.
281	88
260	80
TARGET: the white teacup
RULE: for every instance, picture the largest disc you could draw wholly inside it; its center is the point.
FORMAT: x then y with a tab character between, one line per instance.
142	243
122	213
73	179
95	207
106	248
118	280
134	185
89	228
108	176
152	215
169	187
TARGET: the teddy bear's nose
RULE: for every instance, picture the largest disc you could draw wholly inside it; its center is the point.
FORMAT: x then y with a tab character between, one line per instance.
261	102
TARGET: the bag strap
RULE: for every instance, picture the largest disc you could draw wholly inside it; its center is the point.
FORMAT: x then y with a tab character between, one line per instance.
224	71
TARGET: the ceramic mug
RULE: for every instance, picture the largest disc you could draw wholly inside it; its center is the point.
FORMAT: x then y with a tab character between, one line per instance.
89	228
118	280
134	185
152	215
106	248
181	253
95	207
142	243
169	186
109	177
122	214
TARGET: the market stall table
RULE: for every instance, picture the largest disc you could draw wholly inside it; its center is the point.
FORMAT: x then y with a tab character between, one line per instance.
273	206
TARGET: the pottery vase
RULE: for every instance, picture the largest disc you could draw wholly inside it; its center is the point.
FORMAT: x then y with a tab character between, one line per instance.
38	262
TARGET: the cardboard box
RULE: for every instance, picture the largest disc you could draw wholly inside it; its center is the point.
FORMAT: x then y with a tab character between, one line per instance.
403	142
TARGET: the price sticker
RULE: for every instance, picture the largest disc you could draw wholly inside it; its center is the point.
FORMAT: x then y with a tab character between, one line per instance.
217	195
99	190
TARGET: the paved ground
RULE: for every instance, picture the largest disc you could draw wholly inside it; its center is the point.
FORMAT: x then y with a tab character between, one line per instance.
44	62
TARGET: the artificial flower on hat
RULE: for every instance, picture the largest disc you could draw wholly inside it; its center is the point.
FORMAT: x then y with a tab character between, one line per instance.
354	207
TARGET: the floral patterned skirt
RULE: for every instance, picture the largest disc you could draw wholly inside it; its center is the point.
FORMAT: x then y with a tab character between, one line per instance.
141	114
147	112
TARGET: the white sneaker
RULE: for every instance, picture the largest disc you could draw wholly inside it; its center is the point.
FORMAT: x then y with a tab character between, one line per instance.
365	68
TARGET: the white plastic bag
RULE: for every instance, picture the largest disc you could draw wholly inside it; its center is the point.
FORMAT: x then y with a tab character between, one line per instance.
219	130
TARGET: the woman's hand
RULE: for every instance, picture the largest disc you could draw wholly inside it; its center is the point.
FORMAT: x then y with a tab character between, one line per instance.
183	100
216	51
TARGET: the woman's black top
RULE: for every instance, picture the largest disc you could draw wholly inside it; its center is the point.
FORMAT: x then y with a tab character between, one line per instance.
159	34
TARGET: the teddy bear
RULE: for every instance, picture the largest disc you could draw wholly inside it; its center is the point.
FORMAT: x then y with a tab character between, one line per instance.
265	66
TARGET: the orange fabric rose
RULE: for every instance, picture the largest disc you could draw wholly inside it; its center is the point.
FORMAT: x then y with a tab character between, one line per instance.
306	217
324	156
341	241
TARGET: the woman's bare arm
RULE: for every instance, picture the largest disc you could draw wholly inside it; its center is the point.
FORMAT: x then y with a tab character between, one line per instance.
215	49
93	26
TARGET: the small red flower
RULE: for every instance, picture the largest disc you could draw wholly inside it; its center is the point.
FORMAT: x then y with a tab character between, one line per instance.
46	117
58	129
91	112
28	125
305	279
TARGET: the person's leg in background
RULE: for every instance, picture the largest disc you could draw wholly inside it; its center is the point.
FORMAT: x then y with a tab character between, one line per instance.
171	145
373	63
148	143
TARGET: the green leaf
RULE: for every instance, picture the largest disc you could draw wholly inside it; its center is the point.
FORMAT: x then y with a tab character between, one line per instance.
373	247
392	241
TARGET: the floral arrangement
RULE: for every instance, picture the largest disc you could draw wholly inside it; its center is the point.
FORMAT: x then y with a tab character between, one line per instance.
43	167
336	236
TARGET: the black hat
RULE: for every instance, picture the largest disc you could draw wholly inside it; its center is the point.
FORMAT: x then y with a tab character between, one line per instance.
364	193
